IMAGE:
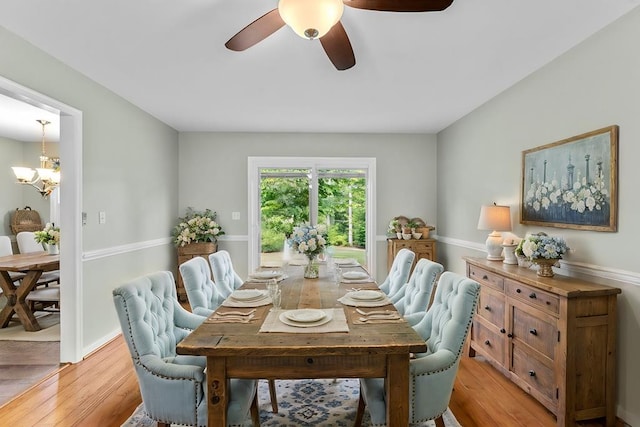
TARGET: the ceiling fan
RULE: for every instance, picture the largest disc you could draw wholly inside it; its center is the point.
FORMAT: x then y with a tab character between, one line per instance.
321	19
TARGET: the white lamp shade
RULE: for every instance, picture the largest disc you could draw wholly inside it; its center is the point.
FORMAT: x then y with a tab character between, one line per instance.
23	174
304	16
494	217
45	174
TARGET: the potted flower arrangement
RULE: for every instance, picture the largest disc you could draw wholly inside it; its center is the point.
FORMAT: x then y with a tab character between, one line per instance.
395	229
50	236
310	241
197	227
195	235
543	250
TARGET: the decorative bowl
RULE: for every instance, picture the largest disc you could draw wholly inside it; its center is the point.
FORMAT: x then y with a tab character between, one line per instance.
417	235
406	236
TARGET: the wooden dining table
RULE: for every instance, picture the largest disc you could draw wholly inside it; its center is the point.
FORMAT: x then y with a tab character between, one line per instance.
33	265
240	350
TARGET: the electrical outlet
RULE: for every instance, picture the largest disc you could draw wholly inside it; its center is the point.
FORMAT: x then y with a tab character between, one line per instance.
84	218
102	217
235	216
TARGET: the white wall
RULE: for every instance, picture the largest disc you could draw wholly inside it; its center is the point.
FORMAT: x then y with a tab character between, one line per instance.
596	84
129	171
213	174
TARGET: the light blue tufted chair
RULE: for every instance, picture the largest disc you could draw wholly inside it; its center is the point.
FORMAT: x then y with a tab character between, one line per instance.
413	299
173	386
431	375
399	273
224	276
203	295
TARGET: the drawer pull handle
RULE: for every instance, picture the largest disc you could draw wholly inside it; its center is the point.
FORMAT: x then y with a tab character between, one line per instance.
485	277
533	331
510	335
503	330
518	290
532	295
486	307
532	373
487	342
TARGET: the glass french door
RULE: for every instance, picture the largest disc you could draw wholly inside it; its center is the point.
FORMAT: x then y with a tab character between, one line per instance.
286	192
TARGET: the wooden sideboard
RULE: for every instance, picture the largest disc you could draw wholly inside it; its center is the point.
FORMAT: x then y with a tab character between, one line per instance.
185	253
423	248
555	337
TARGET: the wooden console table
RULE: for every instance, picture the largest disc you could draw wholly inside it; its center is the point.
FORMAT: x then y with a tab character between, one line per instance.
423	248
187	252
555	337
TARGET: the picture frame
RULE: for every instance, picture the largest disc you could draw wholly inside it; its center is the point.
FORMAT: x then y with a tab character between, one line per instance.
572	183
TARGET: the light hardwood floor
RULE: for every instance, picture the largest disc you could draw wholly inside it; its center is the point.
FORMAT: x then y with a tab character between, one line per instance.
25	363
103	390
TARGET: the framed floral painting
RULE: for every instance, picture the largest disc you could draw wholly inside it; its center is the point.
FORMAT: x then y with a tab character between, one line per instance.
572	183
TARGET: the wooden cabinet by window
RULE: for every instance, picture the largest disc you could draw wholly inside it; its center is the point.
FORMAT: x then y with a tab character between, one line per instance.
553	336
185	253
423	248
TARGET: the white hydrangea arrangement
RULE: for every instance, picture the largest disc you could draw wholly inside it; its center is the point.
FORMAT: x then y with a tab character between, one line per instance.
309	240
197	226
538	246
49	235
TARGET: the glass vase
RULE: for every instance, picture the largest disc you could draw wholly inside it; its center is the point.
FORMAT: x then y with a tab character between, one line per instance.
311	269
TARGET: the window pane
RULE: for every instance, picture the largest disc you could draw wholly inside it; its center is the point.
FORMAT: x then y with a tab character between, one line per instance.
342	208
284	202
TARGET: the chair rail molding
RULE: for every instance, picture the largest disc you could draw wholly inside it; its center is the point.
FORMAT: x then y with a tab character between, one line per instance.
567	268
123	249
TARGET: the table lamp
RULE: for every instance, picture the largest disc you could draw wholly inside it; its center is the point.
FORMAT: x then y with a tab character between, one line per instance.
495	218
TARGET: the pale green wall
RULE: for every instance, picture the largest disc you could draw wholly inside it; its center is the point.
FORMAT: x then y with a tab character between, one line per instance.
213	174
20	153
129	171
10	155
596	84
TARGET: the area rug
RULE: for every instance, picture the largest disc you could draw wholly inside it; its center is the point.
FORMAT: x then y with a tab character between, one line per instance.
49	322
304	403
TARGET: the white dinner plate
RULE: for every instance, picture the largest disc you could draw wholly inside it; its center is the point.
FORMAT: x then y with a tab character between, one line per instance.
345	261
266	274
366	295
355	275
247	294
305	315
326	319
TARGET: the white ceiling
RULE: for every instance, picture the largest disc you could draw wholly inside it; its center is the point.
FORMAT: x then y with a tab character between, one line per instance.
414	72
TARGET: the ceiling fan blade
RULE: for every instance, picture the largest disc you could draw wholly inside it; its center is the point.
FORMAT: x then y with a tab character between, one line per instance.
257	31
338	47
400	5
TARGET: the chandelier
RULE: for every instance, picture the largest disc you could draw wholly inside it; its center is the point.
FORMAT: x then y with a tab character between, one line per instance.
45	178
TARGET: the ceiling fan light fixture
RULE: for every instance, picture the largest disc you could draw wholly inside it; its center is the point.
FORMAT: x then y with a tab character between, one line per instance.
311	19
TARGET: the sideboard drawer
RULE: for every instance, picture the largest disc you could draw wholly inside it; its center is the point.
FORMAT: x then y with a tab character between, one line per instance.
533	372
491	306
483	276
533	296
489	341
